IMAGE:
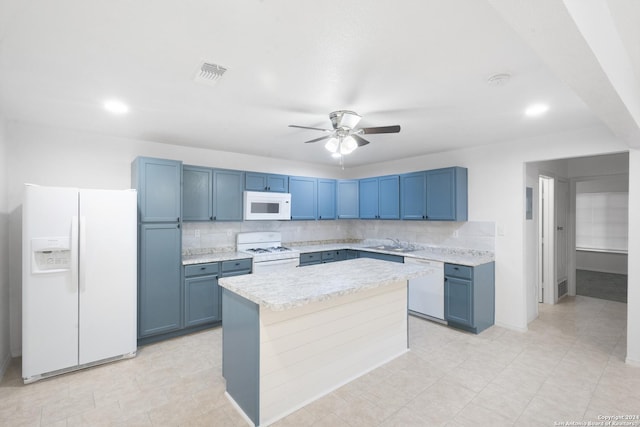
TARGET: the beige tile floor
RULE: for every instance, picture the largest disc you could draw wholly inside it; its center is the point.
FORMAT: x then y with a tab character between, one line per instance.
569	366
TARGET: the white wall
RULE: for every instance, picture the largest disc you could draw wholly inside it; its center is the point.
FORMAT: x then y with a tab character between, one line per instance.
58	157
4	255
633	280
600	174
602	261
496	193
496	189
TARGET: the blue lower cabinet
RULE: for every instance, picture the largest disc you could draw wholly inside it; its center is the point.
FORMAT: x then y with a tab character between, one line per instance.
310	258
469	296
202	300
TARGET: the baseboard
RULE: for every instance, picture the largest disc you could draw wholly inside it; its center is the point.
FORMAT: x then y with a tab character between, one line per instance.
512	327
632	362
5	365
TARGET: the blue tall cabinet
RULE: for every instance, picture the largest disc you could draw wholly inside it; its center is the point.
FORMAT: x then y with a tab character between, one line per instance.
158	182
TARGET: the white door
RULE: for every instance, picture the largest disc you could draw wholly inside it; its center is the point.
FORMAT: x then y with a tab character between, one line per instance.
49	295
108	270
561	232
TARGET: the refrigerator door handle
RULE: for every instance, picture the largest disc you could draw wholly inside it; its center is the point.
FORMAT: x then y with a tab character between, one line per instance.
74	253
83	251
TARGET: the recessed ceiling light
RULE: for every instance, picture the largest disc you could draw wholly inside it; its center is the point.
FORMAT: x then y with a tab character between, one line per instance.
116	107
536	110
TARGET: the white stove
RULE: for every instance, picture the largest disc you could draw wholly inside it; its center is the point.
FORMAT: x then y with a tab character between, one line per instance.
267	251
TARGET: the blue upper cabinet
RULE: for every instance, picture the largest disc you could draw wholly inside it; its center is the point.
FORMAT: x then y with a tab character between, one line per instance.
436	195
304	197
255	181
368	198
158	182
211	194
227	195
326	198
380	197
413	197
389	197
446	191
197	183
347	198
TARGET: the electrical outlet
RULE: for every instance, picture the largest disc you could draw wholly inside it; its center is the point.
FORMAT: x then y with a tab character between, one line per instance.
196	233
229	233
455	233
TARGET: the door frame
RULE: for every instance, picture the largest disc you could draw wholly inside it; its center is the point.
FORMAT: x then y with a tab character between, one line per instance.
547	292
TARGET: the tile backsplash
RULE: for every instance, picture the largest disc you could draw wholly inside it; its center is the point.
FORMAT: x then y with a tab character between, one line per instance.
221	236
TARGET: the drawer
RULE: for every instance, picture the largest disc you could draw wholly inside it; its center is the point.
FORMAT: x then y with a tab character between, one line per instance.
329	255
310	257
236	265
461	271
201	269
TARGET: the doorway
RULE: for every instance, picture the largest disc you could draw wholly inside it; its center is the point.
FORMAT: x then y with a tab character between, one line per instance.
553	239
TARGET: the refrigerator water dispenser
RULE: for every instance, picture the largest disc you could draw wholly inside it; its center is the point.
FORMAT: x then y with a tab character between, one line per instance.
50	254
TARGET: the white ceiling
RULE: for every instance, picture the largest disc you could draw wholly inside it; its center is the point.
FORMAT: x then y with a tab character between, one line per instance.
421	64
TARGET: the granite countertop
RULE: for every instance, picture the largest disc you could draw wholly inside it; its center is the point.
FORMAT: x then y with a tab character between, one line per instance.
469	257
213	257
297	287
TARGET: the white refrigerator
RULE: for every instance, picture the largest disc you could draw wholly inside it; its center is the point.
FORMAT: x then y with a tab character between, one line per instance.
79	278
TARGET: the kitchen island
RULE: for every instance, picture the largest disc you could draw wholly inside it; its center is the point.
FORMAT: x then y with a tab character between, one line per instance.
291	337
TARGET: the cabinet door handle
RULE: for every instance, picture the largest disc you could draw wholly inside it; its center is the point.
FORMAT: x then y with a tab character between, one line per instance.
178	219
211	218
203	268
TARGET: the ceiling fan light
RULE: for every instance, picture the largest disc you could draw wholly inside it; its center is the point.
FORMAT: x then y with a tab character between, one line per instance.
332	145
348	145
336	155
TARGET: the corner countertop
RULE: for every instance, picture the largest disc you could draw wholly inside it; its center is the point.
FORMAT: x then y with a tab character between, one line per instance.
213	257
468	257
287	289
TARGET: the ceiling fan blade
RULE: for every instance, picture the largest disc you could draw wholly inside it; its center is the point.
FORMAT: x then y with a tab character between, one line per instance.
307	127
361	141
319	139
381	129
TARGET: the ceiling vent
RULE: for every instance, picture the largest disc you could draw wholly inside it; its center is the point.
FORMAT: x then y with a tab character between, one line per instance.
209	73
498	80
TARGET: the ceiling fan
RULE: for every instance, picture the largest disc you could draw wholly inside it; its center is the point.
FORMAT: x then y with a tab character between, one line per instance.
345	137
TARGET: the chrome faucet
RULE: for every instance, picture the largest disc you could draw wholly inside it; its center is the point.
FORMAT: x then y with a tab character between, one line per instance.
396	242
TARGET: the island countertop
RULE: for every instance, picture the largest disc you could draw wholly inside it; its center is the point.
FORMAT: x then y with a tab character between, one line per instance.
297	287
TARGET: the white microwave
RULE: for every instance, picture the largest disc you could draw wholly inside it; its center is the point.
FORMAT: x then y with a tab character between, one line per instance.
261	206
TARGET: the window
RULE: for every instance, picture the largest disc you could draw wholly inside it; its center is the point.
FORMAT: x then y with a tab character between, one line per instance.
602	221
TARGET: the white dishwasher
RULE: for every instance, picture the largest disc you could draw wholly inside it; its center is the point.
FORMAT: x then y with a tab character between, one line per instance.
426	293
